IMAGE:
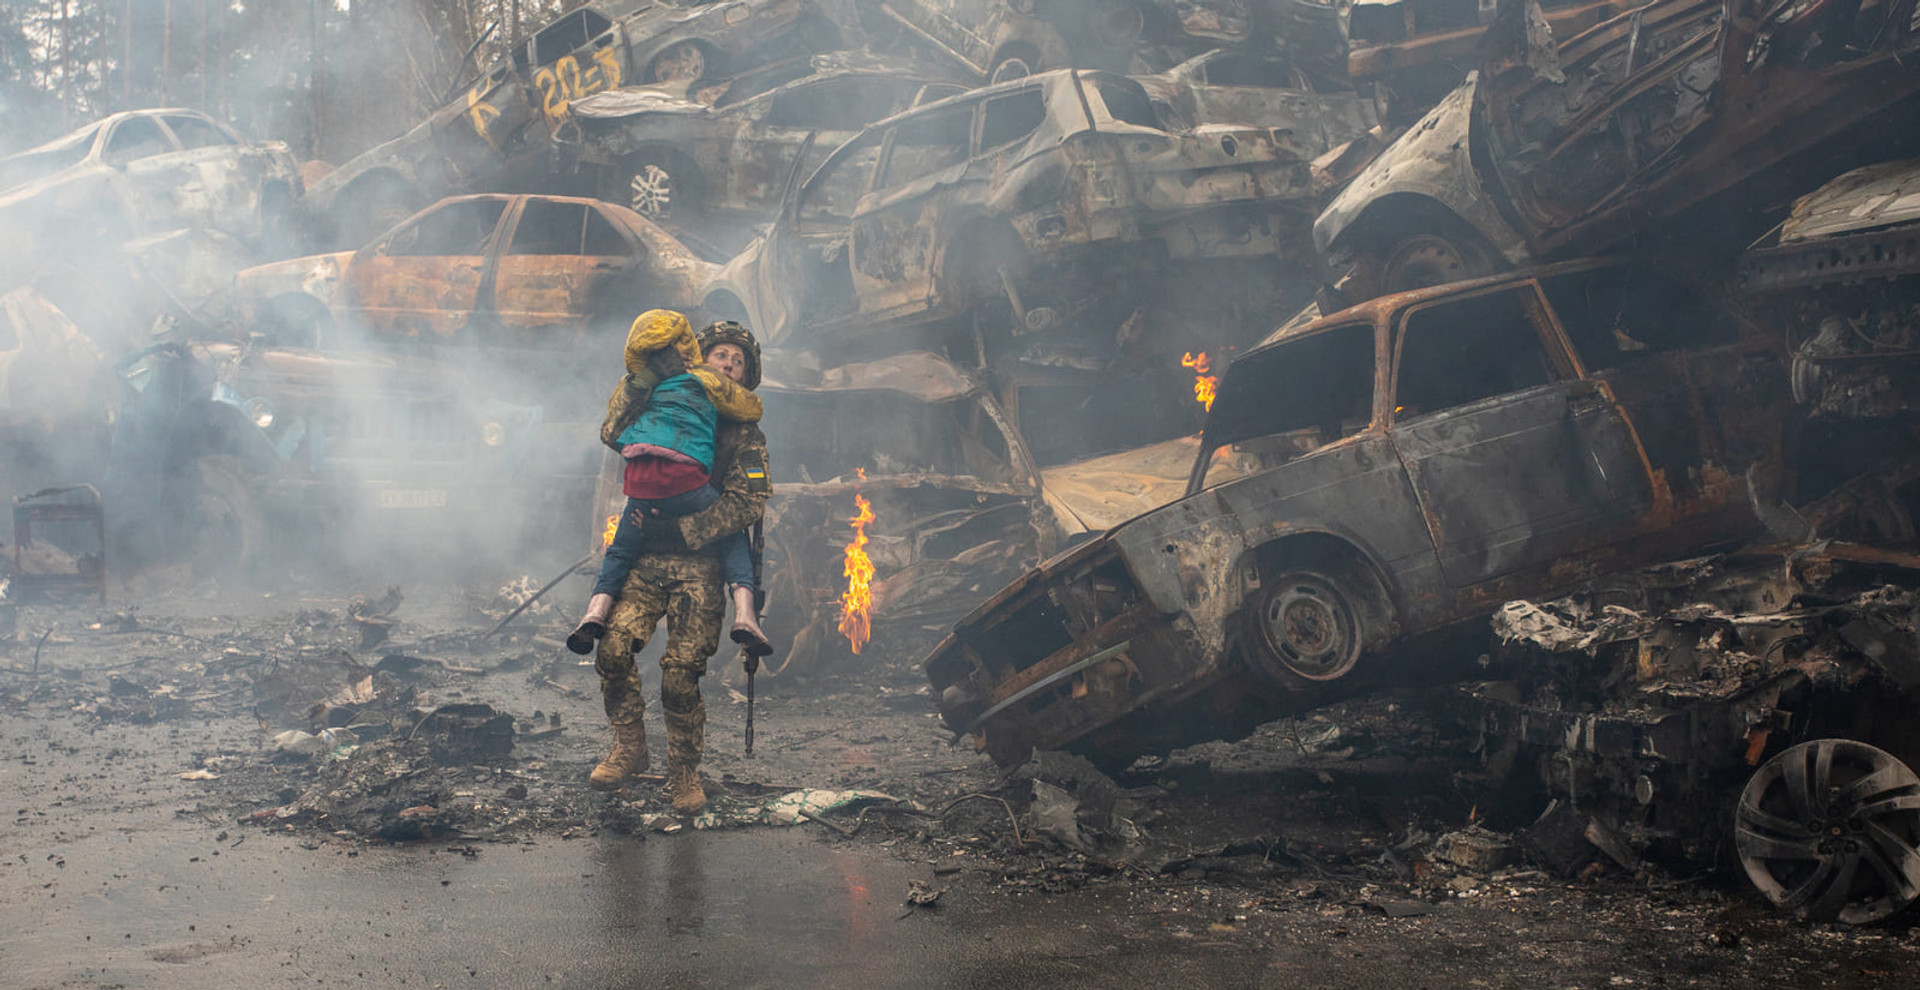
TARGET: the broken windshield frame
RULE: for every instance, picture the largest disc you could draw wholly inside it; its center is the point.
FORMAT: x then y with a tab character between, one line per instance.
1293	397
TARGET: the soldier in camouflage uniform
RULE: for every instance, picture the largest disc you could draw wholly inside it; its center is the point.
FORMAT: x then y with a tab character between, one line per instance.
674	578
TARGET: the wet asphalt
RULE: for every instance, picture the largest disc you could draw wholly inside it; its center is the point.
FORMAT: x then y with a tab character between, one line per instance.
172	907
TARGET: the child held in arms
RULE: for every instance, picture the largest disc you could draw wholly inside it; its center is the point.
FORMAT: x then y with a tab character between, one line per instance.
669	452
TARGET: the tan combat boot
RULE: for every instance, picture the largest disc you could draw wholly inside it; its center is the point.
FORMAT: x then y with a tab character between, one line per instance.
688	797
627	757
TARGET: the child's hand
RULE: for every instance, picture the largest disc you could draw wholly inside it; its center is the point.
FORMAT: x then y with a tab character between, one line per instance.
667	363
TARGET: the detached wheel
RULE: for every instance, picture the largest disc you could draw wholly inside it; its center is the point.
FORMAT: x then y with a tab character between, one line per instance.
1830	830
1313	624
1430	259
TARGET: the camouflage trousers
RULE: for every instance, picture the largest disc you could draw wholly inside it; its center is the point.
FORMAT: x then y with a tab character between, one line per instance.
686	590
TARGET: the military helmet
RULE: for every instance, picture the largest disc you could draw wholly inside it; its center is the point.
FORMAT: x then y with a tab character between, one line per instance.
729	332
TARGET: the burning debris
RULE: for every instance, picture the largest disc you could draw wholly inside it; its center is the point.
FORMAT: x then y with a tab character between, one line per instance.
856	605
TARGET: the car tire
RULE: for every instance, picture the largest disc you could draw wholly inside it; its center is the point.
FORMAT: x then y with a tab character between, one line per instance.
658	185
686	61
1118	25
1417	262
373	209
223	528
1311	625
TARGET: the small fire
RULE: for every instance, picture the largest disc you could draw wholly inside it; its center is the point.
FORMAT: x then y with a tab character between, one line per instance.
856	605
613	524
1203	383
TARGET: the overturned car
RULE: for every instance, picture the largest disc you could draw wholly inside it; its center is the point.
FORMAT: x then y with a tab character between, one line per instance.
1416	461
1563	146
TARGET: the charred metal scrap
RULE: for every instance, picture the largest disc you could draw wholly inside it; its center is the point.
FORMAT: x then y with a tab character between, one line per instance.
1726	688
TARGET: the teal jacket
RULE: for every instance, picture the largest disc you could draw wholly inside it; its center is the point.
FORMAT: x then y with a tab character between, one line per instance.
679	417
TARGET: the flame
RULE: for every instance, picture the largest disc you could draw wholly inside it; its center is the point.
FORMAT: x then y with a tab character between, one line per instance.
856	605
1203	383
613	523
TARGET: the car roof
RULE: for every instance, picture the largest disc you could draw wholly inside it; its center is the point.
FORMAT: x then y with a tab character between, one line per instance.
1371	310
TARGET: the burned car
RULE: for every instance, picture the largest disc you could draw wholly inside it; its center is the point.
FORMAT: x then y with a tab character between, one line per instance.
675	157
1420	459
225	451
140	172
1556	148
1841	279
534	274
1260	88
998	40
496	135
1042	194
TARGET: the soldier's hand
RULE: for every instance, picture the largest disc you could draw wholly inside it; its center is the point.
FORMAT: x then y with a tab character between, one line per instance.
667	363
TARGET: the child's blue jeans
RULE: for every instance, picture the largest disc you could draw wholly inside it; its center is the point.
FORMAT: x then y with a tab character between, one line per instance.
736	560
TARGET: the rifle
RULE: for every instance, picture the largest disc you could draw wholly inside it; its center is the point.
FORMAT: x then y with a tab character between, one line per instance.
757	543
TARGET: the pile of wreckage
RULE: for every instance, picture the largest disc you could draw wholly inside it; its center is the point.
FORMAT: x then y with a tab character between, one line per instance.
1007	256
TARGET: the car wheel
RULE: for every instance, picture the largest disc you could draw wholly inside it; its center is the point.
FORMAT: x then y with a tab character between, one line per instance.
1010	68
661	186
1118	25
1309	624
684	61
1431	259
374	209
1830	829
223	529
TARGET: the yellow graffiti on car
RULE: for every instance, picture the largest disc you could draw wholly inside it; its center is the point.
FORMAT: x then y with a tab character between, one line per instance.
565	81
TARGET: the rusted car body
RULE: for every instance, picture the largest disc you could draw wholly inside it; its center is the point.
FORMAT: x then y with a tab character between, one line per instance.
1841	280
1414	52
1260	88
675	158
1419	460
997	40
136	173
537	274
998	194
497	134
1556	148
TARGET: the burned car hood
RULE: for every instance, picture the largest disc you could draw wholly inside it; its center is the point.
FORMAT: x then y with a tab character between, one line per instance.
1864	199
316	274
632	101
1100	493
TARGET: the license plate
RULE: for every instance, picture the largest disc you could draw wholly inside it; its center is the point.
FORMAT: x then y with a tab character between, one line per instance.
413	499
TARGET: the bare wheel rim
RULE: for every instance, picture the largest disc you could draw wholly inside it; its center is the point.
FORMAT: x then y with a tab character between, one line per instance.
683	61
651	191
1311	627
1427	260
1009	69
1830	830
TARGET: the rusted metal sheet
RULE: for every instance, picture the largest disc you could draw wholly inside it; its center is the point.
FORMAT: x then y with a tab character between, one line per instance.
1519	444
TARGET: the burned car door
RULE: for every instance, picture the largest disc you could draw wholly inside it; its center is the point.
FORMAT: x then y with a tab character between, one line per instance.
760	155
1242	88
154	171
810	274
1515	461
562	262
423	279
223	179
896	226
1703	405
1574	134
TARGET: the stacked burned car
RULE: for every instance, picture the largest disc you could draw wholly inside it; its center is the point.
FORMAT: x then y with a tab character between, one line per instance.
1416	461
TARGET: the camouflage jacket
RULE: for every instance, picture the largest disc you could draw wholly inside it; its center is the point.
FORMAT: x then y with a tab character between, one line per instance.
740	473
